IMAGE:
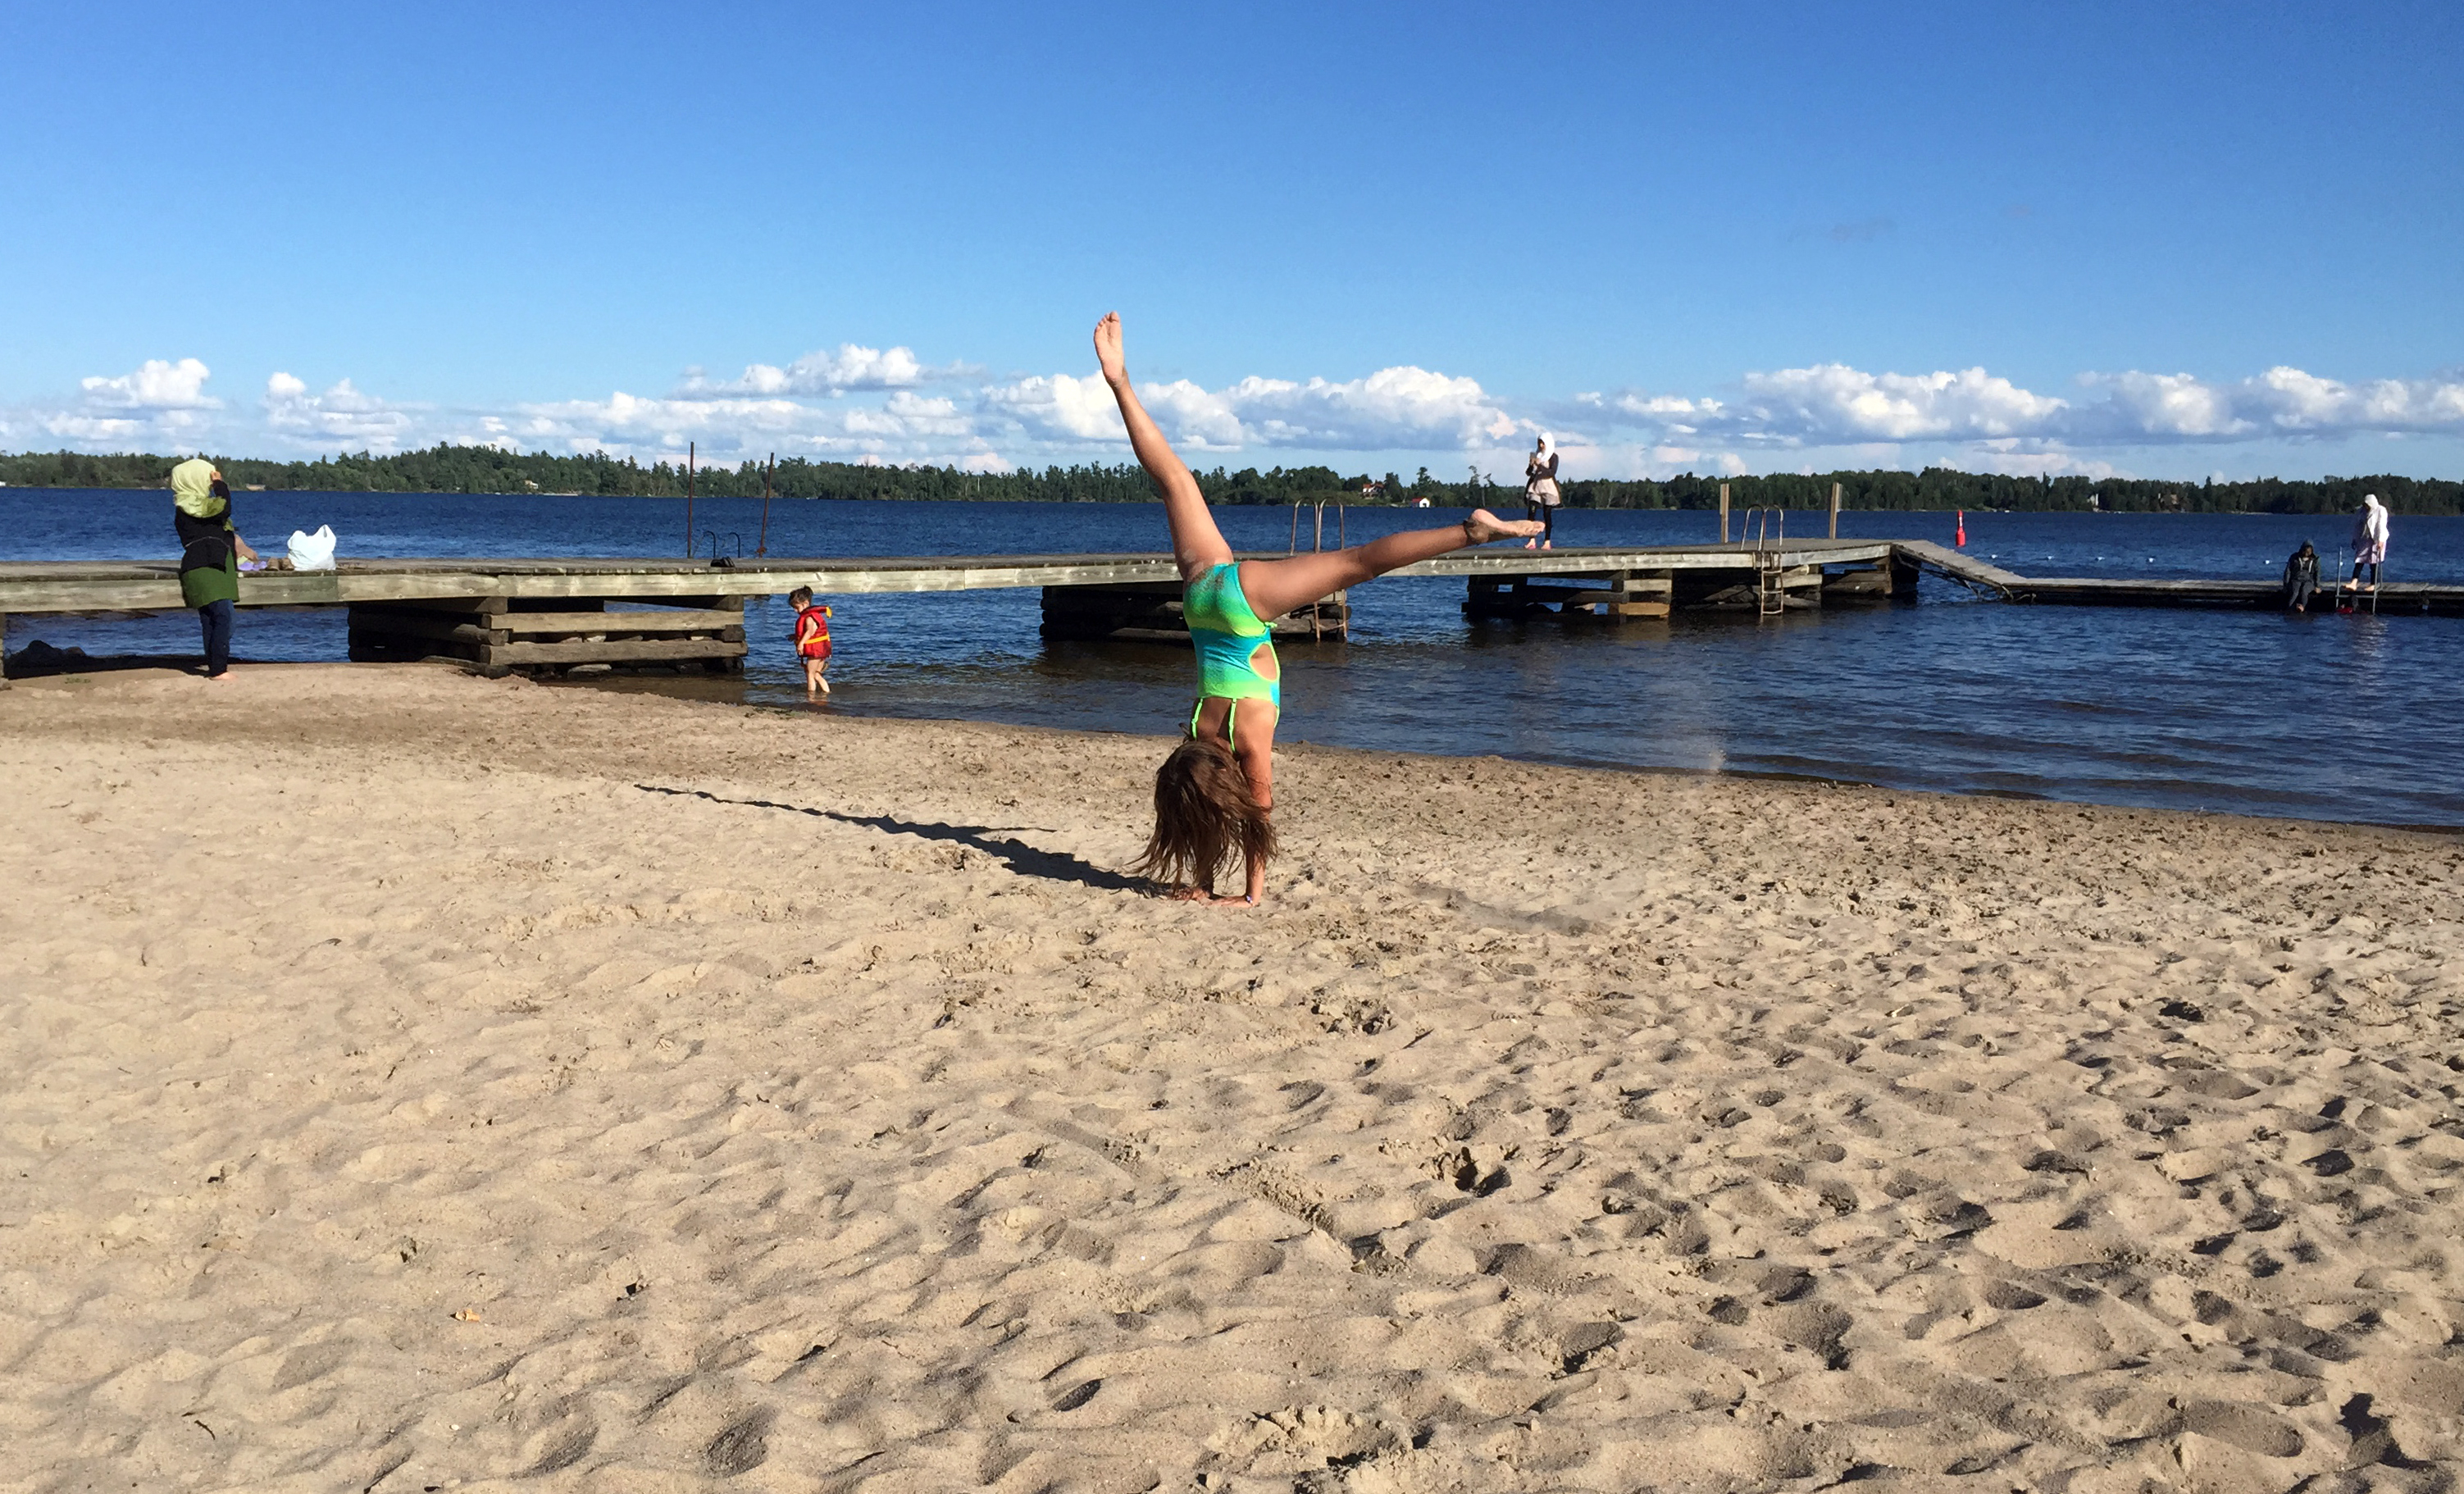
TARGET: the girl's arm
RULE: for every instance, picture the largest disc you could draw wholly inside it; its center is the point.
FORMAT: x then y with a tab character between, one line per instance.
1257	755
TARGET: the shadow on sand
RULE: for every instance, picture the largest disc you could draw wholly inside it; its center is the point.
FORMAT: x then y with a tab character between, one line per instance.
1021	858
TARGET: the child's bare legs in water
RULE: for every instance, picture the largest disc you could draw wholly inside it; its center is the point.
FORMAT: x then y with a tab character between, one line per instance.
1272	587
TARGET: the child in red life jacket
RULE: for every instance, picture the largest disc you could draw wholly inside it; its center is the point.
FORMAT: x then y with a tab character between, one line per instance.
812	640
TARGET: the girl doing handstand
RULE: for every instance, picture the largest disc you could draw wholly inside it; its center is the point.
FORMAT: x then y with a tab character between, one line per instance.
1216	793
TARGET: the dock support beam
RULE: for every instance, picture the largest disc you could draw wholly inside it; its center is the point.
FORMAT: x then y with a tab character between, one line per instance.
1150	612
499	634
1620	595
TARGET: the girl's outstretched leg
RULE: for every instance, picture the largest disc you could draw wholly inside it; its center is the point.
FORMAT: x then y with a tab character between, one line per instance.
1275	587
1196	544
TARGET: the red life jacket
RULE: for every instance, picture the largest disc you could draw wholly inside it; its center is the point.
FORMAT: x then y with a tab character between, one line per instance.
813	632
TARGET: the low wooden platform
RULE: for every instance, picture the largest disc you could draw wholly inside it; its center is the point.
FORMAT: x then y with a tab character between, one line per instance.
497	634
2394	598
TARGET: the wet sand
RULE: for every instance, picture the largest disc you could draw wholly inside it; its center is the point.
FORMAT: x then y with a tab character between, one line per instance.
418	1081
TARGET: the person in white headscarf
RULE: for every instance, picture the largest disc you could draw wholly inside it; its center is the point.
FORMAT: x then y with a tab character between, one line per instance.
2370	541
1540	490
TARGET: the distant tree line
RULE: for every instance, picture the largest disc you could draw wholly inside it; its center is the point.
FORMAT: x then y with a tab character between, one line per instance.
482	469
1945	487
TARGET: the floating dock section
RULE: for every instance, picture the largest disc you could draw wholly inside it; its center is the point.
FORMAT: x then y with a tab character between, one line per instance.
2391	597
550	635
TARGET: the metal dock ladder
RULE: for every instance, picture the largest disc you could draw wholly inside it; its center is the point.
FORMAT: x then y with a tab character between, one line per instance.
1765	530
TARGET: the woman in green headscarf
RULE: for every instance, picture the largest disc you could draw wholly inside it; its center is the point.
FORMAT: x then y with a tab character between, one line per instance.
211	551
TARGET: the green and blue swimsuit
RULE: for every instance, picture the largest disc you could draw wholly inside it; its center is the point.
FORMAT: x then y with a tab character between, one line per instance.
1229	636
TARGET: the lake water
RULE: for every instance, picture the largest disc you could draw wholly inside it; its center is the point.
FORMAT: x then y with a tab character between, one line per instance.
2341	718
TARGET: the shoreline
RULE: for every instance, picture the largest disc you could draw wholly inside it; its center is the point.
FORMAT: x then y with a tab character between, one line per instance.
706	692
425	1078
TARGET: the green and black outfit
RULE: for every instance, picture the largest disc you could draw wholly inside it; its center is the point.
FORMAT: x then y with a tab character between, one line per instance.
201	512
1229	637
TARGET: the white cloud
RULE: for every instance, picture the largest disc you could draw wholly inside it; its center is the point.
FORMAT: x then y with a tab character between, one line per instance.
2282	400
904	428
859	403
1832	404
827	373
2164	407
626	422
157	385
1835	402
1060	406
1401	409
1395	408
341	417
161	405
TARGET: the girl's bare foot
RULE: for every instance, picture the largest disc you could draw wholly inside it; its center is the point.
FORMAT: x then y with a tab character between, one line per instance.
1108	348
1484	526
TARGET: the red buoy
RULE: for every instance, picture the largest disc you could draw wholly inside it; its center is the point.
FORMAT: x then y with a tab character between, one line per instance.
1962	540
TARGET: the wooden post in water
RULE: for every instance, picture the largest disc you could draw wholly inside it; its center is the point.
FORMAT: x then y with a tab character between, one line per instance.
772	465
688	485
1724	513
1835	511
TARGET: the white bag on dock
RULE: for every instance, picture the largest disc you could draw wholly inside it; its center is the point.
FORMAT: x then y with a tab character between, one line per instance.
313	552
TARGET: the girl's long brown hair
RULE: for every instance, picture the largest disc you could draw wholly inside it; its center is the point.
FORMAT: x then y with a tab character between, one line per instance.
1204	814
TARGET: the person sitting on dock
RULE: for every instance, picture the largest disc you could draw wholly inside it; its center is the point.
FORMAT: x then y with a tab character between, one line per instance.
2301	578
1540	494
210	550
1216	793
812	640
2370	541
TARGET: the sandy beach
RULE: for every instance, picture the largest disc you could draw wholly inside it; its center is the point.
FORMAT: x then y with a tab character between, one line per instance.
418	1082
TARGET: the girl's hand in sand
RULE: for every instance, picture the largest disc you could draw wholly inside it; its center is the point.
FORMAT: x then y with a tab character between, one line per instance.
1108	349
1484	526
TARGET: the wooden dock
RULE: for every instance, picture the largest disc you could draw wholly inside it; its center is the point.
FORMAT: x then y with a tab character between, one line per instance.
154	585
553	614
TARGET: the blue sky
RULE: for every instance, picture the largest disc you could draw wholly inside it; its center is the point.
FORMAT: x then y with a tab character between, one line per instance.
2168	240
